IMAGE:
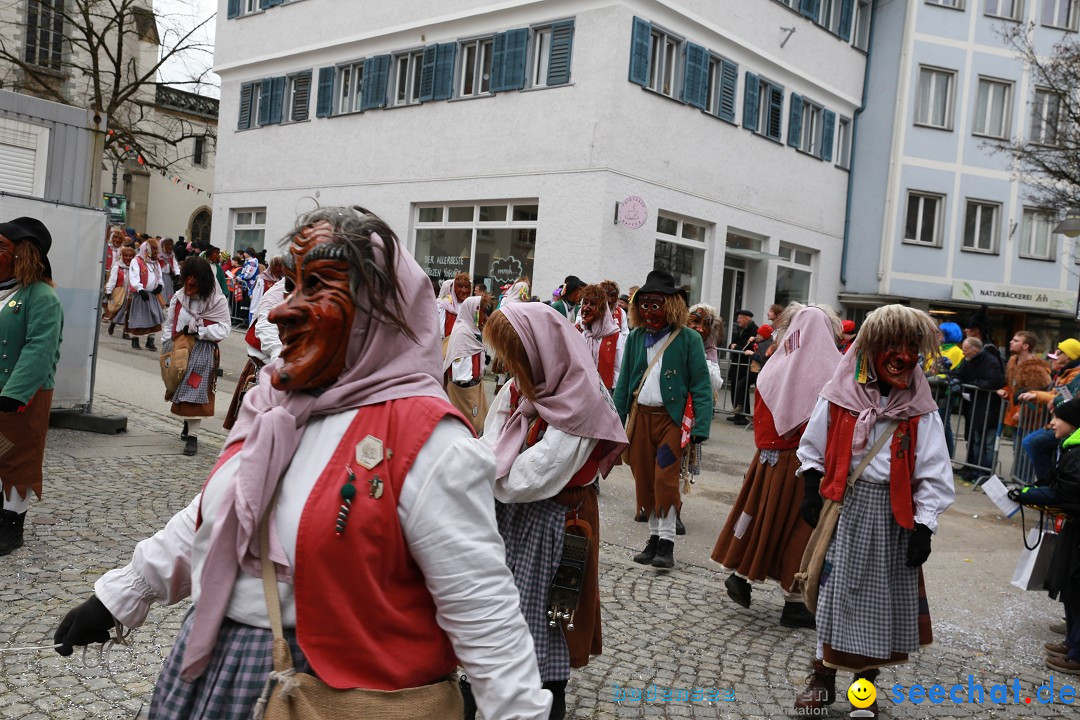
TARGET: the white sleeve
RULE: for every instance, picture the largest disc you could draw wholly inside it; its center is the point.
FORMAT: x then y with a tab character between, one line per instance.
716	377
933	478
498	414
111	284
462	370
159	571
214	332
175	269
442	319
170	310
811	452
541	471
133	276
620	343
447	517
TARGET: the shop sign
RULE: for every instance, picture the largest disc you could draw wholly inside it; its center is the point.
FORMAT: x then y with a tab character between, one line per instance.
505	270
444	267
1025	298
633	212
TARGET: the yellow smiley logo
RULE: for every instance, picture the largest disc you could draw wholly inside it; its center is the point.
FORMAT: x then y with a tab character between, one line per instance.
862	693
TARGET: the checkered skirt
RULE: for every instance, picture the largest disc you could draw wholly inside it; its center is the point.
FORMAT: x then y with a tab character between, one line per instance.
533	534
231	685
201	363
868	604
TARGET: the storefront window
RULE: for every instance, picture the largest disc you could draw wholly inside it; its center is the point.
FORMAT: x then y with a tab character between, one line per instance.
793	274
680	250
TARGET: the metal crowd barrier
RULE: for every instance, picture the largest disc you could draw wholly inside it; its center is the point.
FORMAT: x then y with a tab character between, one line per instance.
1032	419
736	397
973	421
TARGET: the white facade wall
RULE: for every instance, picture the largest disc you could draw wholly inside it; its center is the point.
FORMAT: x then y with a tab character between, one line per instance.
576	149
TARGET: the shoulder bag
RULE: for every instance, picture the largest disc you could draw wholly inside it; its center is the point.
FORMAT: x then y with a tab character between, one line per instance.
631	417
174	361
808	579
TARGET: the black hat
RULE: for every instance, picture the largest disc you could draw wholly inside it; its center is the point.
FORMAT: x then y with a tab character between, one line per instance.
747	313
572	283
659	281
28	228
1069	412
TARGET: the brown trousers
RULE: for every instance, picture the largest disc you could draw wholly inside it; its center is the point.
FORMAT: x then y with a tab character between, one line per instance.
655	457
22	444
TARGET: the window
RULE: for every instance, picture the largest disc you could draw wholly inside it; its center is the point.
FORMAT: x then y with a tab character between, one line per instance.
475	68
350	84
763	106
843	143
494	241
793	273
980	226
249	105
1045	117
934	103
664	54
44	33
680	250
992	103
954	4
924	219
1005	9
407	67
831	15
860	37
198	153
249	228
1059	14
550	57
722	86
1036	235
299	99
811	128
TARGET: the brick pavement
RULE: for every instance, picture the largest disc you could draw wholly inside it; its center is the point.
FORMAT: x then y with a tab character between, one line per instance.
674	629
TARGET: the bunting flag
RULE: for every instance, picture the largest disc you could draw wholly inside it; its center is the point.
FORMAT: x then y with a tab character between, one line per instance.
175	179
687	421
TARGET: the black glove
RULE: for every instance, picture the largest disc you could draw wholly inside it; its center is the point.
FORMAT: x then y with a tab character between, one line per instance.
88	623
1015	493
144	295
918	548
9	404
811	501
696	439
175	281
157	290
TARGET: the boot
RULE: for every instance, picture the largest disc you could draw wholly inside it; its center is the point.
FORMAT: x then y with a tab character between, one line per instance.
796	615
135	343
738	589
870	676
820	691
665	554
184	433
645	557
192	445
112	328
558	701
125	336
641	516
150	343
11	530
680	529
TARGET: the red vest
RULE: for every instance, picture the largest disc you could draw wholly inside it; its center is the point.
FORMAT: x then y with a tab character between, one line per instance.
144	272
765	435
364	616
606	362
587	472
448	323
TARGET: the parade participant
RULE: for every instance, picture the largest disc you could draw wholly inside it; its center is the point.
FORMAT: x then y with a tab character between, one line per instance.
262	342
710	326
554	431
170	270
463	365
569	297
372	487
31	325
198	309
518	292
658	348
449	302
871	608
144	314
601	333
617	310
742	338
274	271
117	291
847	335
764	536
117	240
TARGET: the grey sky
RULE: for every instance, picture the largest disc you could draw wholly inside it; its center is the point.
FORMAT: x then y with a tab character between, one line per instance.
187	13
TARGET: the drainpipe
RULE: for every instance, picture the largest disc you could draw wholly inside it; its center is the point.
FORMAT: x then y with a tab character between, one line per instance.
854	142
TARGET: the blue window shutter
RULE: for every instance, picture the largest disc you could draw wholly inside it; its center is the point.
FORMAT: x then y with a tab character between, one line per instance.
810	8
301	100
277	99
376	72
246	92
427	74
233	9
562	43
828	127
695	76
729	81
750	102
264	101
776	112
272	3
263	4
508	60
794	123
324	106
640	41
498	51
847	8
444	71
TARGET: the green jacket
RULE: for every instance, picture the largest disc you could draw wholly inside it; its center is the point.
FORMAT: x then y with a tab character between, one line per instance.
30	341
683	371
566	309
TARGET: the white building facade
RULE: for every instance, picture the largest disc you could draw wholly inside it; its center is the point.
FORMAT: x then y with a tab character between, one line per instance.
598	138
938	220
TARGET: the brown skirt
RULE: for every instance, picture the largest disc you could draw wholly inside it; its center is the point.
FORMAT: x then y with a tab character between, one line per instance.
586	638
471	401
245	382
764	536
22	444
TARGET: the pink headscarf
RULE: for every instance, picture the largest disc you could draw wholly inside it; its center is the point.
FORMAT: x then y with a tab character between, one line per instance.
569	393
447	297
806	359
518	292
594	333
464	341
382	363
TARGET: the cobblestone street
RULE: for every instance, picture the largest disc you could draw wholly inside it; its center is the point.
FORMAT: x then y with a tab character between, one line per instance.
675	630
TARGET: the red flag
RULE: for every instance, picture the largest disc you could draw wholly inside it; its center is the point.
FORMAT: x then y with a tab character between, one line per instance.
687	421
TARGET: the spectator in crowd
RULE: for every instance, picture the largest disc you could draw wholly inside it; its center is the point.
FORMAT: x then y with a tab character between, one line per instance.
569	298
213	255
742	338
951	356
1040	445
1024	371
773	313
978	326
847	335
983	370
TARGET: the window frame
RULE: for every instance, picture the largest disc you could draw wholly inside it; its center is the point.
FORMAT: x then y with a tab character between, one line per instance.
811	134
234	224
1018	11
714	89
950	99
938	231
485	45
1049	220
198	151
860	25
51	57
981	206
1072	15
414	65
659	70
291	82
539	54
346	103
788	259
948	4
1044	116
1006	114
844	127
678	238
834	10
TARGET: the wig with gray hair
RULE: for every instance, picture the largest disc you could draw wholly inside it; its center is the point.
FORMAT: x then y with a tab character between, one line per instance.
891	325
373	279
715	335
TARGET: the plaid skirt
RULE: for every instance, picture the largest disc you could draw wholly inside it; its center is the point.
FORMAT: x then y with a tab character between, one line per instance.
231	685
533	535
200	367
869	611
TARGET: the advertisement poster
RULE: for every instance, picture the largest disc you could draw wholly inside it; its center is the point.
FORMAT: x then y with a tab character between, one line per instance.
117	207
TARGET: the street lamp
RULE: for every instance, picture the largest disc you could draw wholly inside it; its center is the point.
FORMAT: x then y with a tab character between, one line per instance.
1070	226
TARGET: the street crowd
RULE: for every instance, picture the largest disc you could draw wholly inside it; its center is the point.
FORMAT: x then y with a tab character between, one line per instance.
365	461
